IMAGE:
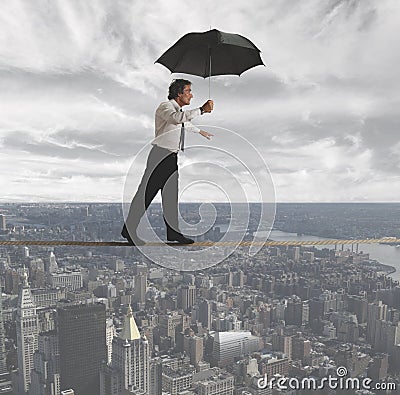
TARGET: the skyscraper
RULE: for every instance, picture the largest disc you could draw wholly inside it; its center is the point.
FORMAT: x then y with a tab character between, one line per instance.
51	265
140	288
155	376
387	335
186	296
27	335
301	348
358	305
195	349
205	314
131	355
130	367
82	345
283	343
3	222
5	383
45	377
376	311
297	311
110	333
3	367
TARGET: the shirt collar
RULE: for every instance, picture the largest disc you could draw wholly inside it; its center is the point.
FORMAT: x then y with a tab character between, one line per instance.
176	105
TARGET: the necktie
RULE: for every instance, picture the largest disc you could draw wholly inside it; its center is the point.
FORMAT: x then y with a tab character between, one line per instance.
182	138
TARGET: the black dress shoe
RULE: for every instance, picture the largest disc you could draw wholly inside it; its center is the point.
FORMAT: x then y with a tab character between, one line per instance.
181	239
132	241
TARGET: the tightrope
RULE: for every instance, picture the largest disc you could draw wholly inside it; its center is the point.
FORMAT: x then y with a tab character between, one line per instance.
390	241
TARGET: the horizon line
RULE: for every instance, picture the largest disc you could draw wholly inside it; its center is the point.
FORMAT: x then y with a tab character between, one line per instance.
199	202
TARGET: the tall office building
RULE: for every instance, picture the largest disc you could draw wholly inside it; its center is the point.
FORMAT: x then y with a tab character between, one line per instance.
186	296
323	304
11	282
301	348
195	349
155	376
3	222
110	333
167	324
294	253
283	343
297	312
3	366
358	305
205	314
236	279
45	377
265	315
27	324
130	367
82	345
140	288
5	382
378	370
376	311
51	266
387	335
131	355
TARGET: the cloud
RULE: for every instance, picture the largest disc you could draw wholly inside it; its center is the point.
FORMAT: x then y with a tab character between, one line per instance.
79	88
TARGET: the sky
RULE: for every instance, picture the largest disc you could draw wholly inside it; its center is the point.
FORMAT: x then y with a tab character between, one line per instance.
79	88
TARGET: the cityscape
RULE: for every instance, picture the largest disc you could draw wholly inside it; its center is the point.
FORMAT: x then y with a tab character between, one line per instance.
108	321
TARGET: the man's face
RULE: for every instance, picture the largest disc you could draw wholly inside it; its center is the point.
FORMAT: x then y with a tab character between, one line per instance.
186	96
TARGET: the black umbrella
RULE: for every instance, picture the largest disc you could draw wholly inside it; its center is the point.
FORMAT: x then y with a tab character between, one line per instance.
211	53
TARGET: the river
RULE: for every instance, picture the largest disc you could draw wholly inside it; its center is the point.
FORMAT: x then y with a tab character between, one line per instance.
385	254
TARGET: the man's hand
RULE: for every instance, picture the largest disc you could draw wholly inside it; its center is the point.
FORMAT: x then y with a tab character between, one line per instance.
208	106
206	134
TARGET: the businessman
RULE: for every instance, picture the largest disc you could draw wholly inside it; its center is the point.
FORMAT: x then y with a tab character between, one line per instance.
171	125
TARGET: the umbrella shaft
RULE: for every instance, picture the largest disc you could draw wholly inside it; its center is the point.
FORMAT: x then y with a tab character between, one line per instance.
209	77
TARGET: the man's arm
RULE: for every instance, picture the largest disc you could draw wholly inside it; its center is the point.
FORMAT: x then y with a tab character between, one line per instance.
189	127
169	113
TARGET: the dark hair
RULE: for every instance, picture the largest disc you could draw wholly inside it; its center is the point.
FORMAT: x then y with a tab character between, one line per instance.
176	87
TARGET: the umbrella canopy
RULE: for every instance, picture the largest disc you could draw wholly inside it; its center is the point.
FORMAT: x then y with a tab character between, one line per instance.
211	53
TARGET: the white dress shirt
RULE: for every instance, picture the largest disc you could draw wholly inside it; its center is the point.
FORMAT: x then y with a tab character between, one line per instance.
168	123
